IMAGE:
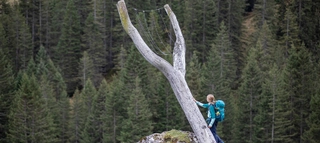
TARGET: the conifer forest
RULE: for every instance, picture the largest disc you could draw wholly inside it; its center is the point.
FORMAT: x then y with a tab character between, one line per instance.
70	73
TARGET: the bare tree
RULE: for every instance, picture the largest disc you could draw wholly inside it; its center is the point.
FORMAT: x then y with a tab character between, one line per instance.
175	74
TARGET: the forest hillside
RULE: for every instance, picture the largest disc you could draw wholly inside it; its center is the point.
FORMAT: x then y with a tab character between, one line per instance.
70	73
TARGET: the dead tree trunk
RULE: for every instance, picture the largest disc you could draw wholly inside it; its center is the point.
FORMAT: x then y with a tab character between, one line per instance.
175	74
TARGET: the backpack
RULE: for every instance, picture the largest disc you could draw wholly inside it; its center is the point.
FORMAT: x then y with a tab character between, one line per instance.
219	109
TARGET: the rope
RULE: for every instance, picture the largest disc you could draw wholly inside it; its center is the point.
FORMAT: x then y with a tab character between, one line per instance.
154	35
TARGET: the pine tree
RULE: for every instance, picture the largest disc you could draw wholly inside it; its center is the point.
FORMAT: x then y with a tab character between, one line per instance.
55	25
87	94
77	117
283	124
3	38
94	127
289	31
62	118
220	75
138	123
67	54
170	115
310	135
230	12
115	109
86	69
21	38
6	91
249	95
94	45
299	87
264	11
193	77
83	7
103	111
199	22
267	115
29	118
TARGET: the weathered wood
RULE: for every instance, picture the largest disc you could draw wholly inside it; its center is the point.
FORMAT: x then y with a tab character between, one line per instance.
179	50
175	75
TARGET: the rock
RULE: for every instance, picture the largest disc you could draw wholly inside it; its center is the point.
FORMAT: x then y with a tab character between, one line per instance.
173	136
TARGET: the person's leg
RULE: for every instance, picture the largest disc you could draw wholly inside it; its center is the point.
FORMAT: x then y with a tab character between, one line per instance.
214	133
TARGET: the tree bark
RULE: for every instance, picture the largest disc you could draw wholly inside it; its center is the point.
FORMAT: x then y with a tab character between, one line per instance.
175	74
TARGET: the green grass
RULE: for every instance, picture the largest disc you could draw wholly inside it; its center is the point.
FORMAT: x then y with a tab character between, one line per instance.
174	136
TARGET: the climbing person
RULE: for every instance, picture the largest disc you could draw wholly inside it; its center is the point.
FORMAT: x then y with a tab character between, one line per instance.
211	120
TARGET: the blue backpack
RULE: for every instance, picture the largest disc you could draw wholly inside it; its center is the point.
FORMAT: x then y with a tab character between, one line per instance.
219	110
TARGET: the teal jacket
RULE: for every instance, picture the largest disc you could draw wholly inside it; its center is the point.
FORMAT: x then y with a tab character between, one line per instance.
211	113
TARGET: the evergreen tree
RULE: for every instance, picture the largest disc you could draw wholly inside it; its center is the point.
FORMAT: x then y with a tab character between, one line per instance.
230	12
62	116
220	75
299	87
250	94
94	45
3	38
310	135
115	109
94	127
193	77
6	91
77	117
138	123
171	115
21	40
283	124
264	11
55	25
29	118
289	31
199	22
83	7
102	113
67	53
87	94
86	69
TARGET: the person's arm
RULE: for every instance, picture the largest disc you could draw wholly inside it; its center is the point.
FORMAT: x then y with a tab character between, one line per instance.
211	122
201	104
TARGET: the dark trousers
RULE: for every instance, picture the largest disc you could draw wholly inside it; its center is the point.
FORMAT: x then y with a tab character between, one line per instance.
214	132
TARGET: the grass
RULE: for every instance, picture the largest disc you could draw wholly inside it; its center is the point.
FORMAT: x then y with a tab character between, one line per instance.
174	136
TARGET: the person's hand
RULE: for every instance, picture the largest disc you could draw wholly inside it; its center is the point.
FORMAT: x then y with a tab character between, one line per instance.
194	99
209	126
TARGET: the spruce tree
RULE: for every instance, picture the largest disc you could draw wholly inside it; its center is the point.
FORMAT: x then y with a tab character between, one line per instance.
77	117
87	94
6	92
29	118
3	38
115	109
199	21
193	77
93	39
104	96
311	134
57	9
86	69
94	129
138	123
289	31
68	51
62	118
298	84
266	115
249	96
283	122
22	40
